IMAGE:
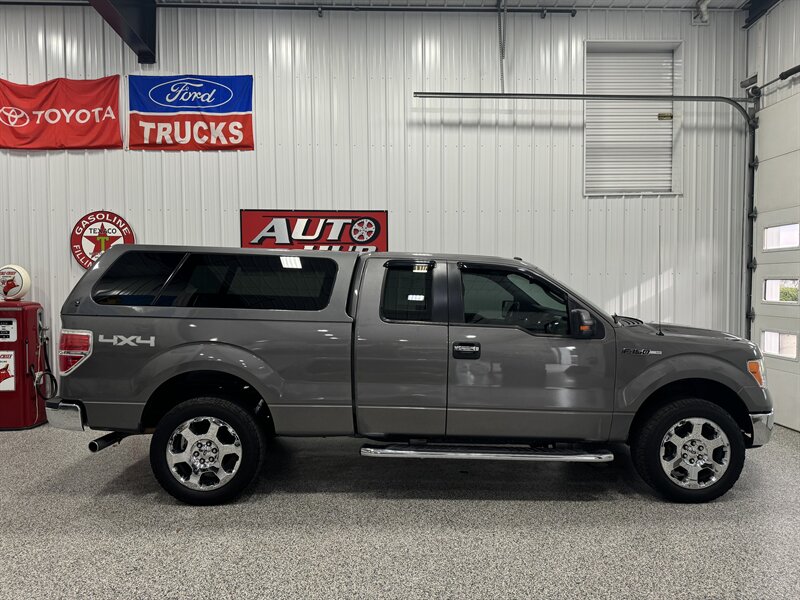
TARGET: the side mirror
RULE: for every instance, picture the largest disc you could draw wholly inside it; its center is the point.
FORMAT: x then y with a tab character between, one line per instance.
581	323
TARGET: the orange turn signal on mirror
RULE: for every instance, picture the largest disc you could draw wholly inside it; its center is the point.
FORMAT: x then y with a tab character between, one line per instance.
756	369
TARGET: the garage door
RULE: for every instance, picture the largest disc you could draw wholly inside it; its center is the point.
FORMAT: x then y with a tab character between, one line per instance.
777	277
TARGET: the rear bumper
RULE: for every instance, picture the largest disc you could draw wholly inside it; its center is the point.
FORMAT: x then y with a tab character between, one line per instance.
65	415
762	427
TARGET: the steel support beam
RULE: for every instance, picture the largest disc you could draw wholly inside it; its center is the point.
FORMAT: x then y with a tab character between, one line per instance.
542	11
135	22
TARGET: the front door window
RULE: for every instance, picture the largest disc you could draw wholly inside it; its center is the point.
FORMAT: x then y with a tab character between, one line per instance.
507	298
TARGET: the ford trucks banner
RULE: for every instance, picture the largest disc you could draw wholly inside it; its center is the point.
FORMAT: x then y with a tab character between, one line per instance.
191	112
60	113
348	230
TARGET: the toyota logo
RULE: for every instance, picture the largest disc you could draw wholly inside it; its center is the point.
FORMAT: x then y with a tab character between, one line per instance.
13	117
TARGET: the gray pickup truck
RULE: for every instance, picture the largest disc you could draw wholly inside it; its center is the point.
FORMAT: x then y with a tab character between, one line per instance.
214	350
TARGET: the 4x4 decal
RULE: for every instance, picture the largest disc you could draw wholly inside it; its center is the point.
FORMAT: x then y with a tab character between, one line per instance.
128	340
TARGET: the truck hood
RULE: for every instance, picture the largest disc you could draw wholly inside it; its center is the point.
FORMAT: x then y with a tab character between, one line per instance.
680	339
693	332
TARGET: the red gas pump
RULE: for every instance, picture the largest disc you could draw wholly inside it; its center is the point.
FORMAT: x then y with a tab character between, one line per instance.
24	360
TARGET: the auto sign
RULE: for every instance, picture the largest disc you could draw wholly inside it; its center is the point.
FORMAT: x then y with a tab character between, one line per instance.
352	230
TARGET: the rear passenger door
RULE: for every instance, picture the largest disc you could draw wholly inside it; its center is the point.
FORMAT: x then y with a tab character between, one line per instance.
401	348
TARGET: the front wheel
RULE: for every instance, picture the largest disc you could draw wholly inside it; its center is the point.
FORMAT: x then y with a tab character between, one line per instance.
206	451
690	450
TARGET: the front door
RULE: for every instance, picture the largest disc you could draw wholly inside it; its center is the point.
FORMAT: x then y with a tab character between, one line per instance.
514	370
401	349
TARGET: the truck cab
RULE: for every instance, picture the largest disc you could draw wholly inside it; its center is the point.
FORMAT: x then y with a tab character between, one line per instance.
428	355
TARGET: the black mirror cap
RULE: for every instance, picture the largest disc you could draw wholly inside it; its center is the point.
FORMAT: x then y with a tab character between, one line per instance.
581	323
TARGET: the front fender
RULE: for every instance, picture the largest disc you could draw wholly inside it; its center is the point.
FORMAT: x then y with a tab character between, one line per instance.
675	368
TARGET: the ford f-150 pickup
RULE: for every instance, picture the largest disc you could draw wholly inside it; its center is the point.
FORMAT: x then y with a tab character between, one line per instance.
214	350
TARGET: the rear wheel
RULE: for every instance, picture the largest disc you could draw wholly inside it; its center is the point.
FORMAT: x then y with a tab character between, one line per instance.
690	450
206	451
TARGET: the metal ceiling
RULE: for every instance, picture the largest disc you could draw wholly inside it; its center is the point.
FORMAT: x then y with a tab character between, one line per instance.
453	4
444	4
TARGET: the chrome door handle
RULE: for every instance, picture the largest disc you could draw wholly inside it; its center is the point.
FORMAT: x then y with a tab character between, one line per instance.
469	350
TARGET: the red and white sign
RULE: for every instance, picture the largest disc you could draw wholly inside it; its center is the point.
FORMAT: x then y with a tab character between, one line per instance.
60	113
14	282
7	373
95	233
350	230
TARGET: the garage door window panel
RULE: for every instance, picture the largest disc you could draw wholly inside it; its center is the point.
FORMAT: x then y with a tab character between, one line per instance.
782	291
780	344
782	237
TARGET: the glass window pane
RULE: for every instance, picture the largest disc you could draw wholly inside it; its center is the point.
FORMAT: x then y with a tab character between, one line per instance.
782	236
778	343
407	293
252	282
135	278
781	290
511	299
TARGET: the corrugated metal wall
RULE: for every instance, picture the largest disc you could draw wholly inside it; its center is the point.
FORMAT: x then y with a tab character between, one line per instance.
773	45
337	127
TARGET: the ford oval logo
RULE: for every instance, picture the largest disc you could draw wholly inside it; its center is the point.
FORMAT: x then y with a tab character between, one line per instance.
190	92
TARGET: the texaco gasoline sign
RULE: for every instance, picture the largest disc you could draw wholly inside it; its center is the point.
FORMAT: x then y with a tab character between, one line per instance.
95	233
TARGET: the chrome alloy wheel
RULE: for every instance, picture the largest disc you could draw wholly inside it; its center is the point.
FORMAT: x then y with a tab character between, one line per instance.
204	453
695	453
363	230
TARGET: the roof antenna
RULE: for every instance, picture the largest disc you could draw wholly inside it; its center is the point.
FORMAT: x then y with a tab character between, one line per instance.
659	275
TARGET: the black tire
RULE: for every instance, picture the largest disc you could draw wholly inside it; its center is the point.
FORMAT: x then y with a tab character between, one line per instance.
252	444
647	450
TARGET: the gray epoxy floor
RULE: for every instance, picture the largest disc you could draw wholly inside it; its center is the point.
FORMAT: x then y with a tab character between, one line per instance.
324	522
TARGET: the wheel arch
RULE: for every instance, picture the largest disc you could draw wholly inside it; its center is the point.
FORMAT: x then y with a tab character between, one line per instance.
696	387
205	382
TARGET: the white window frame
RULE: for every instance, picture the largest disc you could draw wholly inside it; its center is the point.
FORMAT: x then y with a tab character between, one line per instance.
778	356
676	46
766	226
777	302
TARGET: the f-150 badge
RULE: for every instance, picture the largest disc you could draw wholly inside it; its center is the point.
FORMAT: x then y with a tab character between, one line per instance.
640	351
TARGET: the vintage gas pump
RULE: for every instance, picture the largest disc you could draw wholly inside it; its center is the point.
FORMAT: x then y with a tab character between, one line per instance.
26	380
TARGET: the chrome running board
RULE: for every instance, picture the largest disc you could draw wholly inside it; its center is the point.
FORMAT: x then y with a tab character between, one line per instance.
486	453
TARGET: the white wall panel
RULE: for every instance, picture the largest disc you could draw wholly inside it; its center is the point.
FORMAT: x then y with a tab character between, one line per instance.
337	127
775	46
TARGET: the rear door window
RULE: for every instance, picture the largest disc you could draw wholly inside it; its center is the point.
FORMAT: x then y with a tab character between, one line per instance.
408	293
260	282
135	278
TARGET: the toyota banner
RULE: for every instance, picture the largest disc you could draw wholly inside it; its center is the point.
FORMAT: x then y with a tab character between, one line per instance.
191	112
60	113
345	230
